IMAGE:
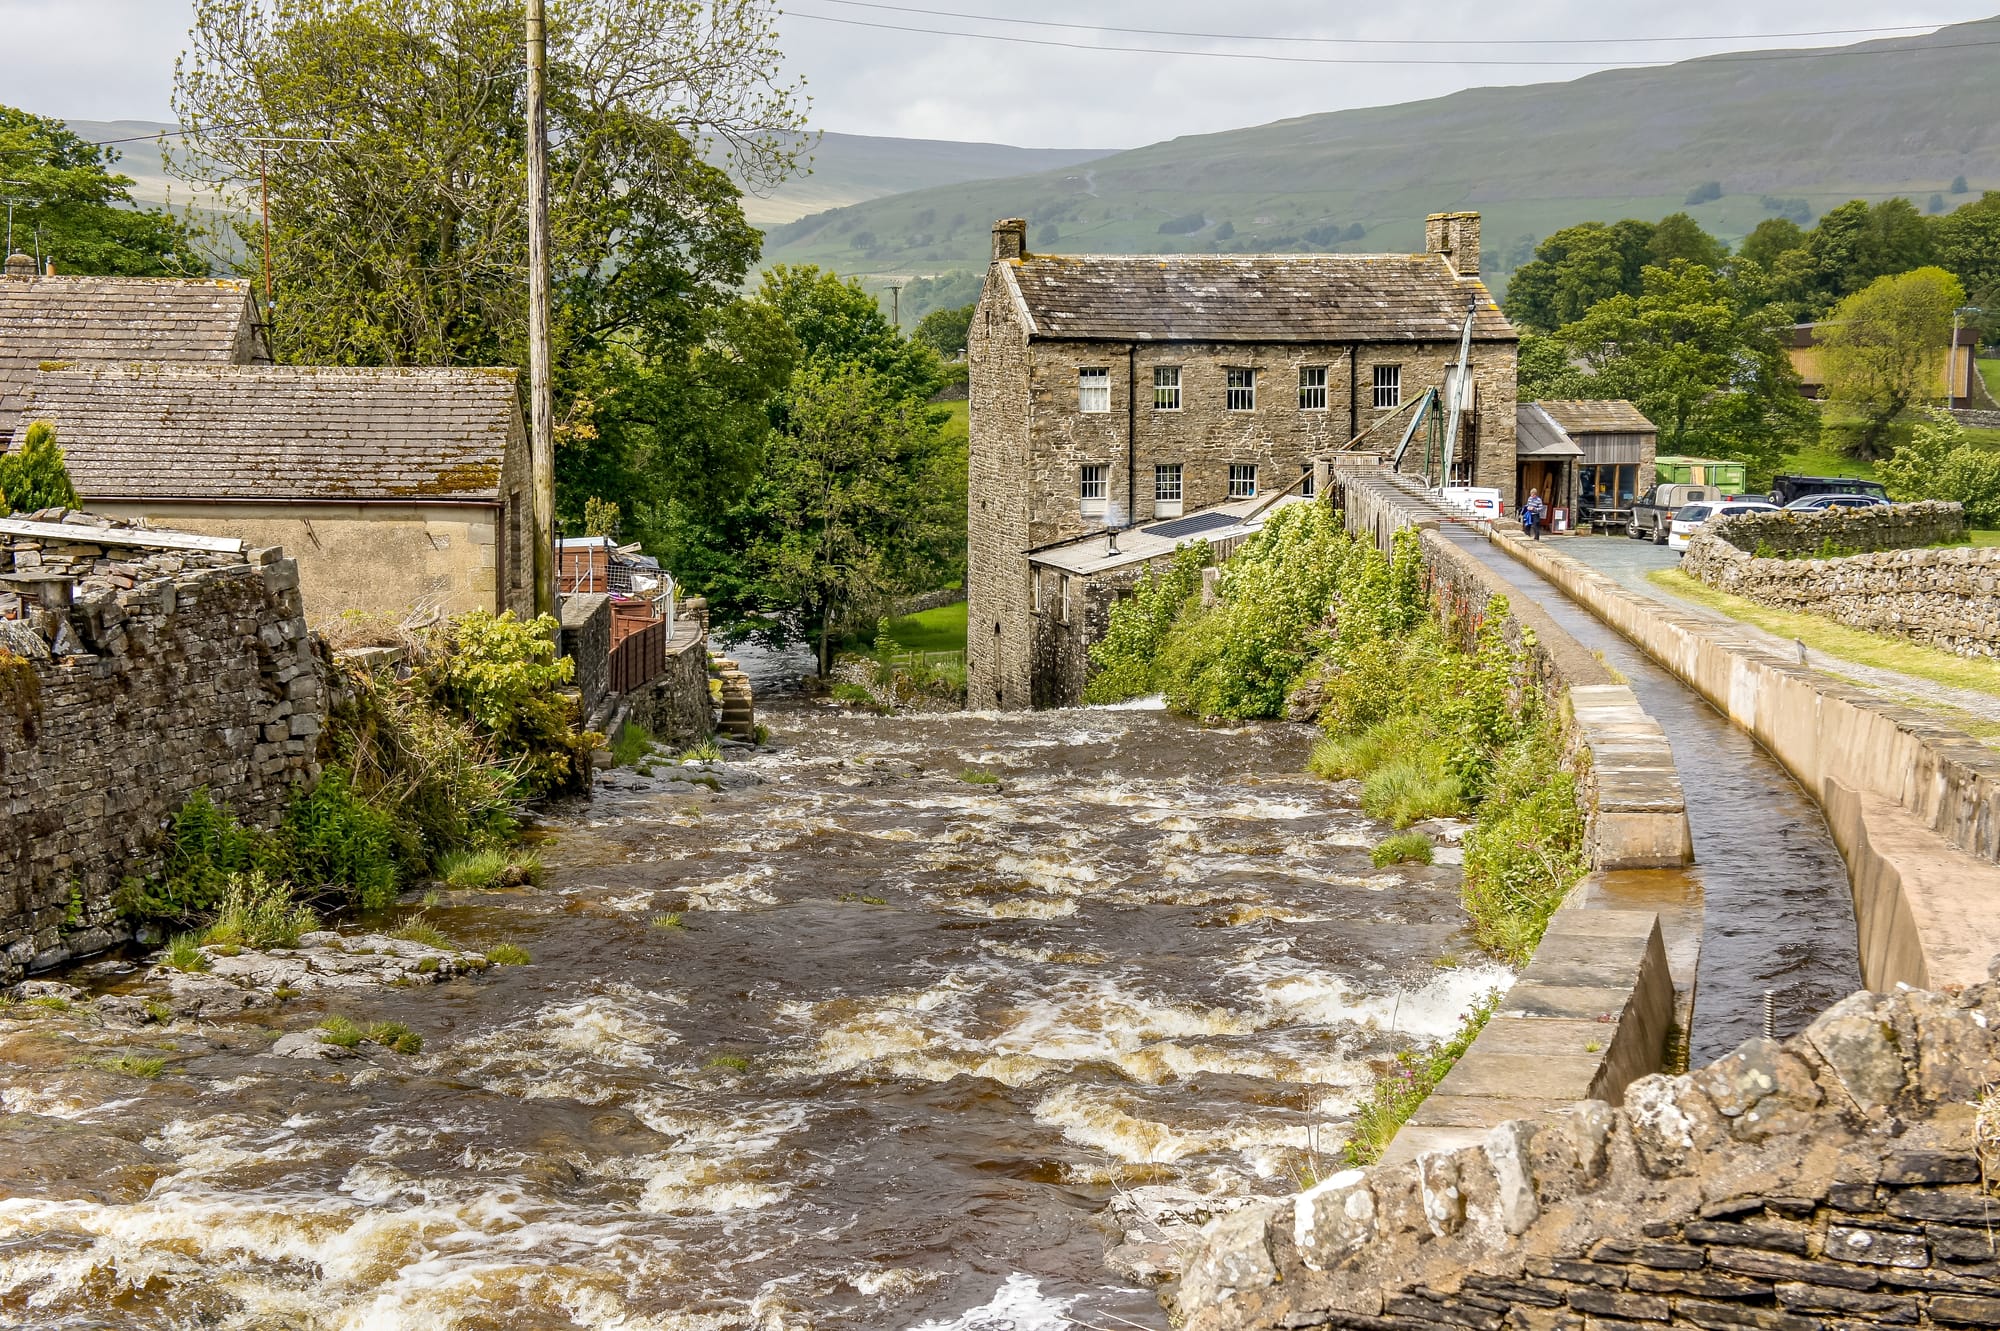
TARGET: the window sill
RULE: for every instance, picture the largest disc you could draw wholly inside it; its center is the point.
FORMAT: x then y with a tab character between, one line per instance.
1166	508
1092	508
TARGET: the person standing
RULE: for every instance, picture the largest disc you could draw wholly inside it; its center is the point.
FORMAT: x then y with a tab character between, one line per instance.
1532	514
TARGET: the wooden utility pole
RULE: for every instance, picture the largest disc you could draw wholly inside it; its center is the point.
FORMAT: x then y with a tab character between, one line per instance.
541	408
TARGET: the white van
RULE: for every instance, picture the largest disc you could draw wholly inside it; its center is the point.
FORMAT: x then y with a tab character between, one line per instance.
1482	501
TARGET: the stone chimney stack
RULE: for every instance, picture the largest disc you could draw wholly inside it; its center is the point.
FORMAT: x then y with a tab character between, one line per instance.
20	268
1456	237
1010	239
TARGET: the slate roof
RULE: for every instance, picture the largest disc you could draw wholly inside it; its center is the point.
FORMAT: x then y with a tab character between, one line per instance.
1252	298
121	319
1536	435
1616	416
221	432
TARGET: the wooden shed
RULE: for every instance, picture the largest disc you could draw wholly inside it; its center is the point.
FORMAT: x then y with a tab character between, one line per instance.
1612	459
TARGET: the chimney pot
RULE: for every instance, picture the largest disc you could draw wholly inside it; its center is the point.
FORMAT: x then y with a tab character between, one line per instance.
1010	239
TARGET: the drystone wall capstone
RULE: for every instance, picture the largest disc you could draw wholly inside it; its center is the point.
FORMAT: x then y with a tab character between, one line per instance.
1948	598
1836	1180
1850	530
171	670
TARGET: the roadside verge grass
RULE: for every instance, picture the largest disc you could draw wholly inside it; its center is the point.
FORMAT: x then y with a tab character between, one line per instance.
1840	641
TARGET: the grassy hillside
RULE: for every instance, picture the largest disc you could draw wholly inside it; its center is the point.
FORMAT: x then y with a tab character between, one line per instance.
1903	116
850	168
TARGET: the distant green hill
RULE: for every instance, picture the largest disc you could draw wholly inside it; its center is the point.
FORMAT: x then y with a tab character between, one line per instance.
1903	116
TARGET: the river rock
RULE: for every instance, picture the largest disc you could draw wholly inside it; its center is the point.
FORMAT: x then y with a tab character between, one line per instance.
27	989
55	1158
323	962
308	1044
1155	1228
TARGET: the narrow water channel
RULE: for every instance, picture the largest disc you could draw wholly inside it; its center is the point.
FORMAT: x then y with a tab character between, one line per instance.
850	1042
1777	913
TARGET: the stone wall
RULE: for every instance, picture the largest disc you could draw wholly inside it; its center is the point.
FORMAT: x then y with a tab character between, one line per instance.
1943	597
1832	1181
1877	527
676	705
175	668
586	640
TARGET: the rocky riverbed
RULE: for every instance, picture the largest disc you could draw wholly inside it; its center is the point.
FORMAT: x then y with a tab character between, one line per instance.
904	1022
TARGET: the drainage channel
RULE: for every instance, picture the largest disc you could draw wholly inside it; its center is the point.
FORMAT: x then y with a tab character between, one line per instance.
1777	915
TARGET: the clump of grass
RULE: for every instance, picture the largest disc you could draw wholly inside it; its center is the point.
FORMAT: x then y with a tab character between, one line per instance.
761	733
473	868
708	751
51	1003
184	954
1402	848
394	1035
284	992
631	745
732	1062
417	929
427	966
979	776
258	911
145	1066
157	1012
1412	787
668	920
1399	1091
509	954
341	1031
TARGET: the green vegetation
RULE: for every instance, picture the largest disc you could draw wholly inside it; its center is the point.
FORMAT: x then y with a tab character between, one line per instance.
631	745
349	1034
147	1067
1125	658
488	866
340	1031
1940	461
34	477
1883	352
939	630
503	676
184	954
508	954
979	776
1397	1094
418	929
1989	374
708	751
1402	848
1839	641
82	212
668	920
258	912
1430	726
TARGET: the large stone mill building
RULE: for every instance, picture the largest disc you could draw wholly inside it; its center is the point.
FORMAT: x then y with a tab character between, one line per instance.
1174	393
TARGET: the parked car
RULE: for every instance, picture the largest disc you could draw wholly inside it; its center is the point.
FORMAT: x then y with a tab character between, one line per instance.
1820	503
1653	512
1788	488
1681	530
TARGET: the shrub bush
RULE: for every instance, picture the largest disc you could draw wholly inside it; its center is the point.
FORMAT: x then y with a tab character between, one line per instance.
258	911
503	676
1125	657
334	843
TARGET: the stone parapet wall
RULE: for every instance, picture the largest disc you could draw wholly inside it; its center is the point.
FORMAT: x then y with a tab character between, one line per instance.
586	640
676	705
174	669
1948	598
1863	530
1830	1181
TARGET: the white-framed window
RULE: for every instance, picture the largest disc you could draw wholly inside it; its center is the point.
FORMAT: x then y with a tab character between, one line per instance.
1242	480
1093	487
1065	598
1242	390
1306	487
1166	482
1166	388
1034	589
1093	391
1388	386
1312	388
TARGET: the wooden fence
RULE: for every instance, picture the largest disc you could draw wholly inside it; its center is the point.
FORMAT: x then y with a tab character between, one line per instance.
639	659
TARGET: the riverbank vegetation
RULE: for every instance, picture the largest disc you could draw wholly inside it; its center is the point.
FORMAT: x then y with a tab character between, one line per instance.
424	775
1309	620
1416	1074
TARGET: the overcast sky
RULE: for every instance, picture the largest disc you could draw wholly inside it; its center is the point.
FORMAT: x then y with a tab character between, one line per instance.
113	59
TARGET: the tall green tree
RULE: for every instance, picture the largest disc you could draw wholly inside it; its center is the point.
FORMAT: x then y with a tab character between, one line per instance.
1883	351
945	330
1576	268
403	240
856	498
82	210
1713	377
1680	237
1968	245
34	476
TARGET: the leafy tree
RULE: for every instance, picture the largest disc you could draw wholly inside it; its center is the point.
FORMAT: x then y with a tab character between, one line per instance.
1546	370
1941	462
1884	348
403	242
1125	657
1714	378
82	208
944	331
1968	245
1681	237
35	477
1706	192
1958	185
855	493
837	323
1576	268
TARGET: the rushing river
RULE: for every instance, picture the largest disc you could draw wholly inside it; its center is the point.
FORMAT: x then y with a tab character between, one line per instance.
909	1036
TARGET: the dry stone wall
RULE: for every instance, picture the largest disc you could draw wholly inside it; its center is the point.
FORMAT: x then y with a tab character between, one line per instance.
173	669
1949	598
1860	530
1835	1180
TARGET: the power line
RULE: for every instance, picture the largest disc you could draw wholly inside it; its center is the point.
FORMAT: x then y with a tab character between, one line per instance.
1386	41
1728	58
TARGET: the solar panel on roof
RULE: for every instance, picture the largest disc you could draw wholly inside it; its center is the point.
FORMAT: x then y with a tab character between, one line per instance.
1200	522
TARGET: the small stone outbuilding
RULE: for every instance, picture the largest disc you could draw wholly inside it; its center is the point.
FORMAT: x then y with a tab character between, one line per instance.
396	490
1588	457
